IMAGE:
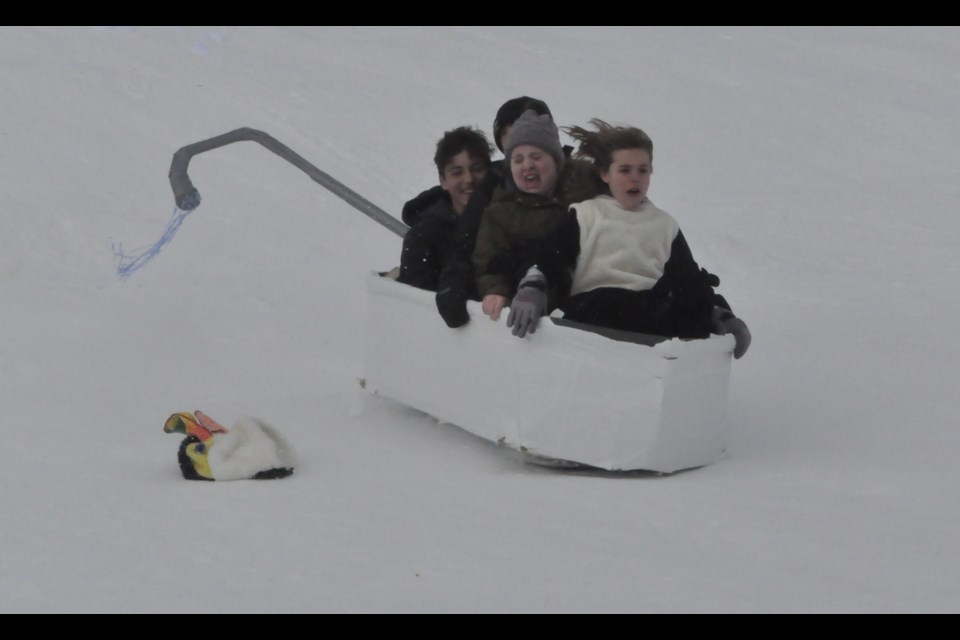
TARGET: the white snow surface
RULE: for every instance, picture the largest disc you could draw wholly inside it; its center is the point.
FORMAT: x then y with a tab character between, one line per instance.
814	169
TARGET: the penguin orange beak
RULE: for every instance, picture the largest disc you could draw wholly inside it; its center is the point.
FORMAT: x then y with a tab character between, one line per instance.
177	423
209	423
185	422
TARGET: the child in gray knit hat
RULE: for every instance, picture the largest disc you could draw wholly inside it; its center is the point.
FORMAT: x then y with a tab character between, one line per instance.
519	218
538	131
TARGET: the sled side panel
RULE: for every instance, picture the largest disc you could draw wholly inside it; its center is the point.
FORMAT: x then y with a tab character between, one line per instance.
455	376
560	393
693	418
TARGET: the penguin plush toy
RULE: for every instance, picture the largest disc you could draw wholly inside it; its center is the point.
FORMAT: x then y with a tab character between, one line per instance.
250	449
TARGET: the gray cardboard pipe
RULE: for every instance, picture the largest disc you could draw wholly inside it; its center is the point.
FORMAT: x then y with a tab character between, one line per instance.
187	197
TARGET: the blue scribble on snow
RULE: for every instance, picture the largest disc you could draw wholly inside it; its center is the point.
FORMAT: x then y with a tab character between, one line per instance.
127	264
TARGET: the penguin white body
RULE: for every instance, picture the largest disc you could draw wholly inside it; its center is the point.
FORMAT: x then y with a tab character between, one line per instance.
248	448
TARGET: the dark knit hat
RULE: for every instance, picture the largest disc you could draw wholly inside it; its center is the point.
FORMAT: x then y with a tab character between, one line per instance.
511	110
537	130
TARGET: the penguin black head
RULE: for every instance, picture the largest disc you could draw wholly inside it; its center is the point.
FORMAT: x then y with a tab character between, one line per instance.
192	458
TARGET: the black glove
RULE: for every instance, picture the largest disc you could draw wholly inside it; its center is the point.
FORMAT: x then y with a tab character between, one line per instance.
452	305
725	322
529	304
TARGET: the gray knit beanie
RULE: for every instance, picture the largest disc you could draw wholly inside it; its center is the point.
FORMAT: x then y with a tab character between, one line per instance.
537	130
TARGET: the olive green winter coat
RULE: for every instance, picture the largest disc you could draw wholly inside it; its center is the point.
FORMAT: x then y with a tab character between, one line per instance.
514	219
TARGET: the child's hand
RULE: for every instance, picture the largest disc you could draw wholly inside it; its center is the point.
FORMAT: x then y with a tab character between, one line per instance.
529	304
493	304
725	322
452	305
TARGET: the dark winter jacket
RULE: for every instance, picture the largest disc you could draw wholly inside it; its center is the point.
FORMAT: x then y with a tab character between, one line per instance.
515	223
456	283
428	243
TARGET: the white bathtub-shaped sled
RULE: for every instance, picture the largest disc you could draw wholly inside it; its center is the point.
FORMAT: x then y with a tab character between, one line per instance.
566	394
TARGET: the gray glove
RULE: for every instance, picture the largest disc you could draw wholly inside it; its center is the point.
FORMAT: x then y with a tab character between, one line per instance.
529	304
725	322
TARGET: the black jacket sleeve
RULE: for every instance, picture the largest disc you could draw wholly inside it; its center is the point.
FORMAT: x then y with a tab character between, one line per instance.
684	278
456	281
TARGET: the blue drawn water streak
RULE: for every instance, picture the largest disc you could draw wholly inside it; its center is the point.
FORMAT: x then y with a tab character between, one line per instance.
128	264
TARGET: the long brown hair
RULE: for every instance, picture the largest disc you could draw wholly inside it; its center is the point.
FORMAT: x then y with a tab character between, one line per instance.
599	145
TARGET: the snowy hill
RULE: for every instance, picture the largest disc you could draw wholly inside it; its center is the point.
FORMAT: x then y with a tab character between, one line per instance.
814	169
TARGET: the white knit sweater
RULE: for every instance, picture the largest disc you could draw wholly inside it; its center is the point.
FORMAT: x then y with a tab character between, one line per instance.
621	248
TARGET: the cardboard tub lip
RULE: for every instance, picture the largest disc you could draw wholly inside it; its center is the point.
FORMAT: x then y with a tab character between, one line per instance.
715	342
